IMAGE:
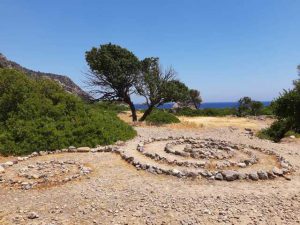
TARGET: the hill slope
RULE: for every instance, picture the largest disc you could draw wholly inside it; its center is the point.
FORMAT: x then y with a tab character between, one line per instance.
64	81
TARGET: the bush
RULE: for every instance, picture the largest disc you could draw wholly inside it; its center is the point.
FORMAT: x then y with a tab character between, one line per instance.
205	112
39	115
286	108
267	111
111	106
160	117
276	131
248	107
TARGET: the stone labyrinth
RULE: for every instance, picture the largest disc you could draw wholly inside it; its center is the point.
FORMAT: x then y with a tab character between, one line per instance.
209	158
181	157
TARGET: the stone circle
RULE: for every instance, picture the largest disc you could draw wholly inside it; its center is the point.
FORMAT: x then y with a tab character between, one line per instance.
210	158
45	173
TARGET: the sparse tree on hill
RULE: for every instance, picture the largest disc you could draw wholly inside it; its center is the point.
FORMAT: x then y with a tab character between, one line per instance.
113	73
157	86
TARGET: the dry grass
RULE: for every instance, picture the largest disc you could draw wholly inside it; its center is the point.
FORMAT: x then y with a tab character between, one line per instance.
204	122
226	122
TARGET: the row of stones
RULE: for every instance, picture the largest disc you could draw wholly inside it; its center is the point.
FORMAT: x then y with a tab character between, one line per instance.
228	175
221	164
71	149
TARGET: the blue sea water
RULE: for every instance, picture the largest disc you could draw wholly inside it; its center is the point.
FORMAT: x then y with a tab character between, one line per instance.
205	105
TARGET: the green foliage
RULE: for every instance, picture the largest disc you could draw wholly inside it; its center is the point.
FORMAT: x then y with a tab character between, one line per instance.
113	73
276	131
204	112
110	106
195	98
287	106
39	115
267	111
159	117
287	110
158	87
292	133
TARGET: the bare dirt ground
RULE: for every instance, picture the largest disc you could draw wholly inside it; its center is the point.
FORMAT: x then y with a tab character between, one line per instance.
117	193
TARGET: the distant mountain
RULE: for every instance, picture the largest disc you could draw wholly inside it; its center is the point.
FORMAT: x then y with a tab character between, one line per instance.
64	81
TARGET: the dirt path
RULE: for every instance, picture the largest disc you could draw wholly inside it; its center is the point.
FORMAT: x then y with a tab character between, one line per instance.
116	193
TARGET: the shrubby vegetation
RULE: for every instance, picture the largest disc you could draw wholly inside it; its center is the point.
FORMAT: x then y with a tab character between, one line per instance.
108	106
159	117
287	111
40	115
249	107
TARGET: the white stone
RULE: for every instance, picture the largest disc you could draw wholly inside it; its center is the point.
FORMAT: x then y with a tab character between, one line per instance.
84	149
2	170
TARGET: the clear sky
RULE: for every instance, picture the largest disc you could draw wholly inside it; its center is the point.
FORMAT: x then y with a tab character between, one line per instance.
226	49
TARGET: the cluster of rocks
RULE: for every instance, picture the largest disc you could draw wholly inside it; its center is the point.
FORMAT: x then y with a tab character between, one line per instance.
47	173
219	174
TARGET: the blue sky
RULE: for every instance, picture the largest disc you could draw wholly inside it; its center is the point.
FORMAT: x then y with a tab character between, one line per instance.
226	49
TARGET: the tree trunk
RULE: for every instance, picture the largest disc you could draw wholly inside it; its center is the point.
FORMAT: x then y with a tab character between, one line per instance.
132	108
133	111
196	105
147	112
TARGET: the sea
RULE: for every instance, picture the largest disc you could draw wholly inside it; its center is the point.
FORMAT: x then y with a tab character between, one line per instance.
204	105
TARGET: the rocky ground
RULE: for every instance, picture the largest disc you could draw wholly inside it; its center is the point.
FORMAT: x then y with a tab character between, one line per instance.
105	189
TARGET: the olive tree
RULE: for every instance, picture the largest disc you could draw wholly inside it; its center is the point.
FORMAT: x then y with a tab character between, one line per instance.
158	86
113	73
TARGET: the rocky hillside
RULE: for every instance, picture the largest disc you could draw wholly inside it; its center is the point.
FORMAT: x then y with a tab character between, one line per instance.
64	81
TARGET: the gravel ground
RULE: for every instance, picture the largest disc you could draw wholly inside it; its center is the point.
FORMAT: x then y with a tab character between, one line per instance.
116	193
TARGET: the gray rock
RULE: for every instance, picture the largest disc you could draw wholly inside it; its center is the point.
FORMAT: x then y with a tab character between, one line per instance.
262	175
277	171
271	175
253	176
32	215
242	165
43	153
9	163
72	149
230	175
242	176
219	176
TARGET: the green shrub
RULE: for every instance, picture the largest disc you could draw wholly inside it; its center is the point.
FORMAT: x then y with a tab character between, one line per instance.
204	112
266	111
39	115
160	117
286	108
111	106
276	131
292	133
